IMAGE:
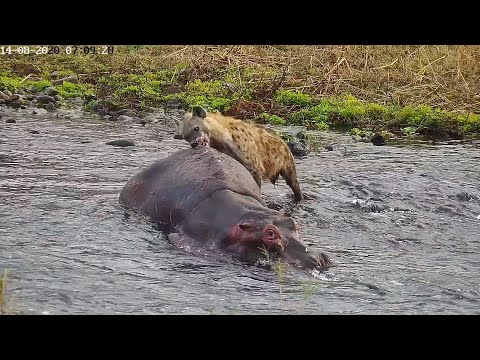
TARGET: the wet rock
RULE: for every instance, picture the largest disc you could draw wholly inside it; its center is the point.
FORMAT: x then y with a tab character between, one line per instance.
127	112
6	92
32	90
4	96
125	118
173	104
140	121
21	98
298	147
329	147
10	121
77	101
39	111
58	98
21	92
464	196
357	138
54	75
121	143
50	107
301	135
72	78
378	139
2	102
33	132
14	98
23	107
97	105
51	91
45	99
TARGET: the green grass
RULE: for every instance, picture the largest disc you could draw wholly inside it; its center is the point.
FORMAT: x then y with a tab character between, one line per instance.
287	97
270	119
349	113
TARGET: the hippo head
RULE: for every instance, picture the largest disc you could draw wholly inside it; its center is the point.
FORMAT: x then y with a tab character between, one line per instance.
280	238
194	129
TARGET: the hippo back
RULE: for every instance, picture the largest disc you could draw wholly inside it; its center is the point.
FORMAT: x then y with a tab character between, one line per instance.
173	186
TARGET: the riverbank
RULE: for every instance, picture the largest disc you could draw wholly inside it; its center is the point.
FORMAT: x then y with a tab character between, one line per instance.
402	90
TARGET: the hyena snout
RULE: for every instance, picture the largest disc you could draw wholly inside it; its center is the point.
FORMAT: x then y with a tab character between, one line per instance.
202	140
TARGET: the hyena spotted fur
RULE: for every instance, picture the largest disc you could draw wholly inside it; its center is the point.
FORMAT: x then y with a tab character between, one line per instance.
263	153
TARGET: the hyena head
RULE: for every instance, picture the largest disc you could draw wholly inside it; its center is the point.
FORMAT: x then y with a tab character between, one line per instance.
193	128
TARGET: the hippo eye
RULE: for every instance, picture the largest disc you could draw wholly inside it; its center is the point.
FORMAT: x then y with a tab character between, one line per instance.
270	233
196	128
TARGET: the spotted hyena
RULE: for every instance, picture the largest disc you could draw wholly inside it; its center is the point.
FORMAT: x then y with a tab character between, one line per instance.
263	153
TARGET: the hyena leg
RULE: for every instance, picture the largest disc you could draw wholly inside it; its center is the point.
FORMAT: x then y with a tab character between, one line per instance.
274	179
292	181
233	151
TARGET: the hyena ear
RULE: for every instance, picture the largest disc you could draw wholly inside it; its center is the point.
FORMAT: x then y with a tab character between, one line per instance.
199	111
178	124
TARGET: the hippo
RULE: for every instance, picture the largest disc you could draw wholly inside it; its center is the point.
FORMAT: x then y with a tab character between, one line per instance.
211	203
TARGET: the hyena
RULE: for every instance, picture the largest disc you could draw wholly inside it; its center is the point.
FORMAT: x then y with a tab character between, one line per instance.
263	153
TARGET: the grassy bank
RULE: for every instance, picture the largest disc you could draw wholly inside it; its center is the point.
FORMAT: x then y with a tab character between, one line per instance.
3	290
408	90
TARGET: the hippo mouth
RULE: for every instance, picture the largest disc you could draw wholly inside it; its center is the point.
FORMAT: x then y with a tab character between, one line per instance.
313	261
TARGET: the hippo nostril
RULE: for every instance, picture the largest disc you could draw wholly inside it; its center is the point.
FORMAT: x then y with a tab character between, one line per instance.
195	144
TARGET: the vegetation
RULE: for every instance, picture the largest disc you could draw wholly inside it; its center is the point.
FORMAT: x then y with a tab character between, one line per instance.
406	90
3	290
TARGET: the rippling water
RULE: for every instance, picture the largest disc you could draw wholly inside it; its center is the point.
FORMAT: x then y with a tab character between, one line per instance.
402	224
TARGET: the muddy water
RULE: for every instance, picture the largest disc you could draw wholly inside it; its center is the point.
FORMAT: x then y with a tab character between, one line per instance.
402	224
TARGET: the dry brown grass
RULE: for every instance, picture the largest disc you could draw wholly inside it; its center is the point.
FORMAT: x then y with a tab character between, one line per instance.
447	77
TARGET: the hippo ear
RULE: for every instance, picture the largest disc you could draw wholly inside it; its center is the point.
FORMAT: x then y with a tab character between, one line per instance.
288	223
244	231
248	227
199	111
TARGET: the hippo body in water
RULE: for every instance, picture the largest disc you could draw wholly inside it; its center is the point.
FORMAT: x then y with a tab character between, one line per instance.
213	203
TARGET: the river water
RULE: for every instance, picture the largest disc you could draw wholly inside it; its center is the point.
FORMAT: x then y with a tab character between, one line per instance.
401	223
